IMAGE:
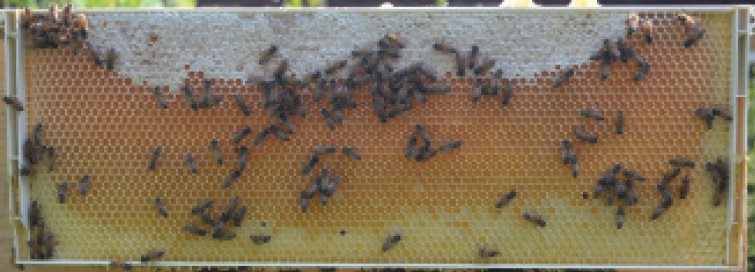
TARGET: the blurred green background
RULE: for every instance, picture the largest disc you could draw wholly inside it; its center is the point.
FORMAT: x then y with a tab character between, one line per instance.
316	3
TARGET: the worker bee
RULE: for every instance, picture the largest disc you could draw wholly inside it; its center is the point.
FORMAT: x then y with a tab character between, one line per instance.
484	67
591	113
280	72
669	176
472	56
215	148
684	189
392	39
508	92
646	27
563	78
488	253
323	149
191	163
460	65
223	235
351	153
194	230
120	265
611	51
239	216
328	187
505	199
110	59
309	165
693	36
411	149
620	122
304	201
242	105
260	239
391	241
153	160
190	97
268	54
566	152
535	219
705	114
159	98
202	206
35	214
241	134
633	23
152	255
660	210
335	67
228	213
581	135
444	48
160	206
605	70
14	103
328	119
50	158
450	145
206	218
620	217
643	71
682	162
625	51
84	185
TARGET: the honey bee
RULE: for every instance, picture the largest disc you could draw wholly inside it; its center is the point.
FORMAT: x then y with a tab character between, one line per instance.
472	56
323	149
682	162
563	78
721	113
581	135
84	185
694	34
605	71
646	27
335	67
505	199
488	253
351	153
566	152
239	216
280	72
190	99
444	48
620	122
120	265
268	54
484	67
50	158
450	145
705	114
35	214
392	39
14	103
241	134
160	206
633	23
242	105
223	235
643	71
304	201
206	218
684	189
633	174
228	213
668	177
591	113
460	65
191	163
625	51
391	241
159	98
153	160
201	206
328	187
620	217
152	255
660	210
310	164
411	149
194	230
328	119
260	239
534	219
422	133
110	59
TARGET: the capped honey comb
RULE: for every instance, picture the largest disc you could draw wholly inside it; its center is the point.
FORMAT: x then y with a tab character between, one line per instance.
105	124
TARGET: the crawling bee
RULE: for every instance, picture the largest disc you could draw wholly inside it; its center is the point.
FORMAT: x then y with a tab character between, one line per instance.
239	216
215	148
620	122
159	98
682	162
484	67
508	92
705	114
110	59
460	65
625	51
280	72
120	265
351	153
206	218
260	239
472	57
392	39
268	54
423	133
152	255
202	206
660	210
722	113
309	165
591	113
668	177
693	37
194	230
566	152
534	219
450	145
191	163
642	73
153	160
14	103
505	199
390	242
304	201
581	135
684	189
328	187
160	206
323	149
223	235
633	23
328	119
646	27
563	78
84	185
488	253
241	134
242	105
444	48
35	214
620	217
231	178
335	67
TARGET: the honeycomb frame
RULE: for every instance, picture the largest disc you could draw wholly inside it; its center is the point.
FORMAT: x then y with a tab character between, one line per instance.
456	219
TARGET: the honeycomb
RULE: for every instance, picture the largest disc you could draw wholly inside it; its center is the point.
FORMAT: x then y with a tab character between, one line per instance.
105	124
